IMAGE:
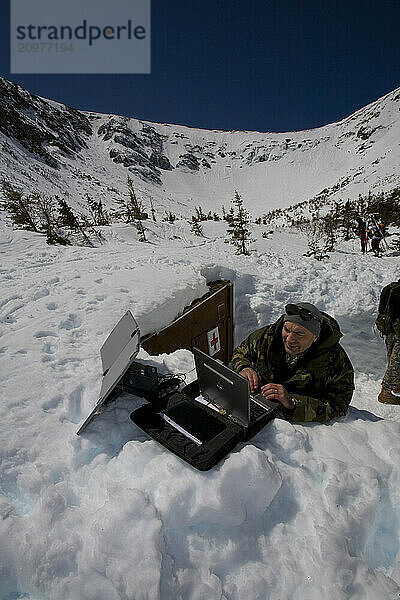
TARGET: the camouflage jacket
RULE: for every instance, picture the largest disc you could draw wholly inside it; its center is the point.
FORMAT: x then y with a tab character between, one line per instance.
321	384
389	303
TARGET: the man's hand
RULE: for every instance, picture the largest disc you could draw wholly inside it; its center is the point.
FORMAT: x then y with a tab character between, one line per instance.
276	391
252	376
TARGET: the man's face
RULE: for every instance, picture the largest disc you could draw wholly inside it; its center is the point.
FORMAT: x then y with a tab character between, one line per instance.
296	338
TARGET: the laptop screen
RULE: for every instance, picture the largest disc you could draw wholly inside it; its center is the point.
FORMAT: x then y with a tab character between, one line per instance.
222	386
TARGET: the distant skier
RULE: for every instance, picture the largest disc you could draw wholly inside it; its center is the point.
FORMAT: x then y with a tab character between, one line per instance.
388	323
376	237
361	232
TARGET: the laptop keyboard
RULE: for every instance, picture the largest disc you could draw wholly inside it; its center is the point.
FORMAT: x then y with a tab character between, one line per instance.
256	411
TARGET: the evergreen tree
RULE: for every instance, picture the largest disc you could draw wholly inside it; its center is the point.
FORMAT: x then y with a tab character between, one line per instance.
316	236
130	210
47	210
137	207
329	225
385	207
230	215
66	216
22	209
238	227
200	216
36	213
97	211
195	226
169	217
347	220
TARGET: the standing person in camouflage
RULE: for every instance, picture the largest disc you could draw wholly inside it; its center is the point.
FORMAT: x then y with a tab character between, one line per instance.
388	323
299	362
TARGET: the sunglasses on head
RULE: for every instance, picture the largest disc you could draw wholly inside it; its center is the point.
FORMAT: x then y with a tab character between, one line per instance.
305	314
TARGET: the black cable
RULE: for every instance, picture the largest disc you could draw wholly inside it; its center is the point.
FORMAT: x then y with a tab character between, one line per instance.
169	383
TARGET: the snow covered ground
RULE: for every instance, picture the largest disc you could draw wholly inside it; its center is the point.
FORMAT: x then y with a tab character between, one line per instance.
300	512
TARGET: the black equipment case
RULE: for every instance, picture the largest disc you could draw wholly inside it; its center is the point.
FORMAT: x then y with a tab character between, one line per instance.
203	457
209	453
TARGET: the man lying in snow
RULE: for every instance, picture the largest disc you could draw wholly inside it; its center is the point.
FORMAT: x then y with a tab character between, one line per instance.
299	362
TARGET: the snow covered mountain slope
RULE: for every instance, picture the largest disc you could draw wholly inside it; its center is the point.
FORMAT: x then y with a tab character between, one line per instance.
48	146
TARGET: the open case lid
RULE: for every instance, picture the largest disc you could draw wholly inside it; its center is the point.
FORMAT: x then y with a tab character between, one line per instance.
117	354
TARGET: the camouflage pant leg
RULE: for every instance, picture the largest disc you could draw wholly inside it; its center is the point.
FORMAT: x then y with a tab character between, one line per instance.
391	378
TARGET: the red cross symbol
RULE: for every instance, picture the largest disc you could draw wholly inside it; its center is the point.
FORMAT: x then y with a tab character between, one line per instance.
214	341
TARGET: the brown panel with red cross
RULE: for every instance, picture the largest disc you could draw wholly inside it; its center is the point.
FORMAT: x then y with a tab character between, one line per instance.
206	324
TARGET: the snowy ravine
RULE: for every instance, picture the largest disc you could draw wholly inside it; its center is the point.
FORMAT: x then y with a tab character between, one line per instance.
58	150
299	512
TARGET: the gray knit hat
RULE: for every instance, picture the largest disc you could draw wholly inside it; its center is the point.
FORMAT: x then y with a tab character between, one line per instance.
305	314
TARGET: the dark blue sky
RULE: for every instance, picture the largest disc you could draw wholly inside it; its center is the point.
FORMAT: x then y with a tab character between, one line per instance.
266	65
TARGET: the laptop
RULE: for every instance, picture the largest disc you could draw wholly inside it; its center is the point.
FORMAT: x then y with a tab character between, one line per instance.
230	392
